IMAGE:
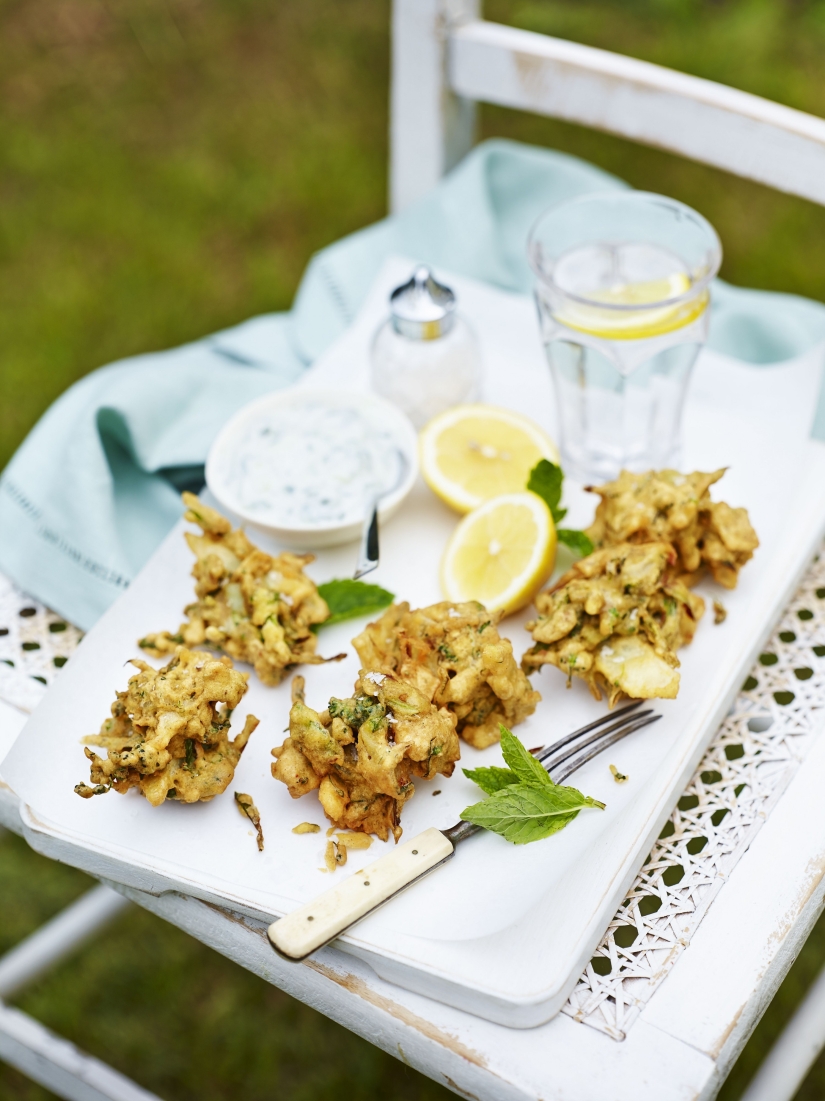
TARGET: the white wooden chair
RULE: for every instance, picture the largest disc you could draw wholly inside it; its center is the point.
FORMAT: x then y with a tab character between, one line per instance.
446	58
25	1043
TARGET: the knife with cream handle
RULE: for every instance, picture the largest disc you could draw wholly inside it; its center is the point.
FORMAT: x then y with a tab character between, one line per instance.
310	927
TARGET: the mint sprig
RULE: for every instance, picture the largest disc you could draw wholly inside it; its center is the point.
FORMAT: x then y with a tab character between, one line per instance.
576	540
546	481
524	804
347	599
491	779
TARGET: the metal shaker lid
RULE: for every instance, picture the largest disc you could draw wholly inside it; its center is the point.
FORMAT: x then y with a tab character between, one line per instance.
422	309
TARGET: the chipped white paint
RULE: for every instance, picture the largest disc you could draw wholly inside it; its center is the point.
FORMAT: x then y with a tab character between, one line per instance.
477	1059
445	59
702	120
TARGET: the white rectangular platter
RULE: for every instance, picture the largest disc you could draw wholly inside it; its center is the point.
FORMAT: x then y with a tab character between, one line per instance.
500	931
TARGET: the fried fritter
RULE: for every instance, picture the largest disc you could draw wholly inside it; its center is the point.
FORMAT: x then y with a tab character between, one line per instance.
665	506
248	809
455	656
255	607
615	620
338	848
363	753
167	736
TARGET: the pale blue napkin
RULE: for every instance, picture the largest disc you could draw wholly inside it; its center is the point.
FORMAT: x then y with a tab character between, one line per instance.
95	486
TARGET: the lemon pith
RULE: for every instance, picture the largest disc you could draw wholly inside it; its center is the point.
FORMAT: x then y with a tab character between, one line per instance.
474	452
648	292
501	553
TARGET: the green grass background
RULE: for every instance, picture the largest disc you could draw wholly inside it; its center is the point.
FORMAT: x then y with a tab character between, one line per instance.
167	167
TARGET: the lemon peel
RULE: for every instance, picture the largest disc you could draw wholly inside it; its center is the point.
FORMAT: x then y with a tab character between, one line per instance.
501	553
471	453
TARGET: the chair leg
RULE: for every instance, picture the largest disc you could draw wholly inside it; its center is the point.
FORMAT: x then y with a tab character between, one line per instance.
59	1065
29	1046
58	938
794	1053
431	128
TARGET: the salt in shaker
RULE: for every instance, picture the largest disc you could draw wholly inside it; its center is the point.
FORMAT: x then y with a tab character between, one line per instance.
425	357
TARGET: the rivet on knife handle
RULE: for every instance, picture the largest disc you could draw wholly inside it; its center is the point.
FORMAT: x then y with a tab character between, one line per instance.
332	913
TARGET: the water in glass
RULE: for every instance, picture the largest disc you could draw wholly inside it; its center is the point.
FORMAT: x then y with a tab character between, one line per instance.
622	323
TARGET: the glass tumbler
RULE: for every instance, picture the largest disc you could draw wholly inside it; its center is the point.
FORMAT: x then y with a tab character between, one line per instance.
622	292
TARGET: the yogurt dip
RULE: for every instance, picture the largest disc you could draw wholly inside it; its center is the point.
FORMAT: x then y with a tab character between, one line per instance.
312	462
315	464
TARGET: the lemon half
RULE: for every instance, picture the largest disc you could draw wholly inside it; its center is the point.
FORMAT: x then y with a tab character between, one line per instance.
501	553
474	452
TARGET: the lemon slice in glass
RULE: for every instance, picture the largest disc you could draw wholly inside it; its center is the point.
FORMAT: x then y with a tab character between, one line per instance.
474	452
501	553
638	322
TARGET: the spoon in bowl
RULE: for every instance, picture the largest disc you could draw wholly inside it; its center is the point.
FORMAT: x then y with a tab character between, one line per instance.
368	553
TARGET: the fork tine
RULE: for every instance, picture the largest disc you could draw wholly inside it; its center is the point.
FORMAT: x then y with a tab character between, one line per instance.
609	717
563	751
593	748
600	746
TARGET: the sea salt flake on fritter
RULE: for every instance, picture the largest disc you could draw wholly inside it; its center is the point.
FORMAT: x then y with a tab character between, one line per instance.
455	656
363	753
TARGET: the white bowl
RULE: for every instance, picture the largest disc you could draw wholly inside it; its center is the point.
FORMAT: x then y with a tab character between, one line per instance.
308	405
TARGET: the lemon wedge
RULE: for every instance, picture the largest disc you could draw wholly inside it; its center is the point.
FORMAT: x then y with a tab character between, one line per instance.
474	452
501	553
638	323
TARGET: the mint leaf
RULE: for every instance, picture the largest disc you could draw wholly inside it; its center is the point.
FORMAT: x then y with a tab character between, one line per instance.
528	812
546	480
524	768
524	765
524	805
347	598
576	540
491	779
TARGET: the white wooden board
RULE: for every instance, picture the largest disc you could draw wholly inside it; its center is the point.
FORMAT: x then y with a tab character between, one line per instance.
500	931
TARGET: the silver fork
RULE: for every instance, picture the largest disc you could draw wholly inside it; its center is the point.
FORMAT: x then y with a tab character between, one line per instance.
317	923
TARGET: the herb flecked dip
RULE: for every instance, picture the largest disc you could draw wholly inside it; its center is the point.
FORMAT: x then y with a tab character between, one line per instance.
313	464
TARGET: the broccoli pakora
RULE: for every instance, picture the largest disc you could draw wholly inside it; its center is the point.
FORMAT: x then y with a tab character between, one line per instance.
254	606
615	620
167	736
665	506
363	753
454	654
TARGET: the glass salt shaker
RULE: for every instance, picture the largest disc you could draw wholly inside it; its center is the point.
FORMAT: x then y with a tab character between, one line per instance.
425	357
